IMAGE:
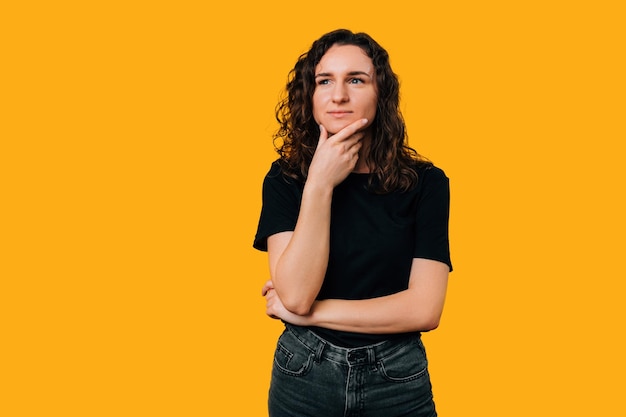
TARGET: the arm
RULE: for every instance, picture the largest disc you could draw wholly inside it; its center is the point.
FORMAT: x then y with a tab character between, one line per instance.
417	308
298	259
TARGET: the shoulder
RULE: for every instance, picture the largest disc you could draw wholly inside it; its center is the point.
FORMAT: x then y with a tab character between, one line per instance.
429	174
276	178
275	170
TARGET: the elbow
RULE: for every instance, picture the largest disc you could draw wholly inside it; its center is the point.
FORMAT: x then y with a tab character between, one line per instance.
429	322
298	307
430	325
295	301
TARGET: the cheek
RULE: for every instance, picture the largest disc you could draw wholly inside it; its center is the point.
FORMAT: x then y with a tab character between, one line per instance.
373	107
317	106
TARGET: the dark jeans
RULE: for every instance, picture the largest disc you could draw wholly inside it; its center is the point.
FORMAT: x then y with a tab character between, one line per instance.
312	377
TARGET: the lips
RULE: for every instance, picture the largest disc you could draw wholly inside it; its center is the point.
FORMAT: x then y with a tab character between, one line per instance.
339	113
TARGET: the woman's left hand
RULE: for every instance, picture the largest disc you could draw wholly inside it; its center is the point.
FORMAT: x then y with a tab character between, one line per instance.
275	309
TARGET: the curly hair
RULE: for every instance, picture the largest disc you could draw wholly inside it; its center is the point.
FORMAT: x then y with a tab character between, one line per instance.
393	161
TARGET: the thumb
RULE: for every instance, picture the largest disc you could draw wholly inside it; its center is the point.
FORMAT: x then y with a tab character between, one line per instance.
269	285
323	134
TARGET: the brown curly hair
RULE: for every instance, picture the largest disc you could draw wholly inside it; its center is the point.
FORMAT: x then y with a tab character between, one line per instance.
393	161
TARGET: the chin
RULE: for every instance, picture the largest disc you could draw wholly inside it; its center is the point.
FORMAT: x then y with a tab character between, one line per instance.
335	126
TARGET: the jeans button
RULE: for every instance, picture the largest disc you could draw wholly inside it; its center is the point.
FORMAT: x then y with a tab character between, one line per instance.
357	355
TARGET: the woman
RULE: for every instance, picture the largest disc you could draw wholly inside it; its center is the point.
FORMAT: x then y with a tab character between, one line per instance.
355	223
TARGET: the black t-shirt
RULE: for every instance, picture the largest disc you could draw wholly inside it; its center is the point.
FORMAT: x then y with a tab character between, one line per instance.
373	237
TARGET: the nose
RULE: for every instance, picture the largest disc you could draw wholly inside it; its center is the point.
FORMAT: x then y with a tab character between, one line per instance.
340	93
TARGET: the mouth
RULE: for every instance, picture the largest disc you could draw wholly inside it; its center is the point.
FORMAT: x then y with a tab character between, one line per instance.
339	113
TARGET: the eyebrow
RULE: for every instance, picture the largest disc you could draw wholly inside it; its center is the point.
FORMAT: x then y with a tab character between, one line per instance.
328	74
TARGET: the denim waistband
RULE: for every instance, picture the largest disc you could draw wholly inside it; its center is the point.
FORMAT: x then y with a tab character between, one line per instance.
349	356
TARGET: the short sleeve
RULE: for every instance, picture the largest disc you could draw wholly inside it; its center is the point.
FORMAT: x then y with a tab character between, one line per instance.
281	205
433	212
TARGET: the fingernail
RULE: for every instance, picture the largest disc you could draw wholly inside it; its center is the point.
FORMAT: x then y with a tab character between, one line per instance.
364	121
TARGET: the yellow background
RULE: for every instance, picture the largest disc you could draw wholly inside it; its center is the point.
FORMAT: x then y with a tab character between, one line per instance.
134	140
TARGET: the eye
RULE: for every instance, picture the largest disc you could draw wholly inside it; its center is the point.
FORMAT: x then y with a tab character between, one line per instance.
356	81
323	81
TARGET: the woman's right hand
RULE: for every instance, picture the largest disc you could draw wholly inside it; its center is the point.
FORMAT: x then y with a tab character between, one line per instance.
336	156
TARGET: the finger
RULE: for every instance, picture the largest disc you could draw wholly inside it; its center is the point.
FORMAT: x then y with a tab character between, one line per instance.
323	134
352	145
269	285
349	130
270	311
353	140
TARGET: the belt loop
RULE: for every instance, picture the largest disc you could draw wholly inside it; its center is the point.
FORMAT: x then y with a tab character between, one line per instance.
371	358
318	352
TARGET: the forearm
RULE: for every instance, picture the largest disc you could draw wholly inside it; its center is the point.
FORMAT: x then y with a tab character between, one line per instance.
299	272
417	308
402	312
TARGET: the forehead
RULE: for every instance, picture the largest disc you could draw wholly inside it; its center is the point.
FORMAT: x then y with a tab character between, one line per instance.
344	58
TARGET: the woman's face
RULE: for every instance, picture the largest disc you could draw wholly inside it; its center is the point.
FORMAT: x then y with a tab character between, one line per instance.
345	88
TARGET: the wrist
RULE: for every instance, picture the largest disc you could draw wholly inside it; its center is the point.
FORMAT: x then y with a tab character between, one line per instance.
317	189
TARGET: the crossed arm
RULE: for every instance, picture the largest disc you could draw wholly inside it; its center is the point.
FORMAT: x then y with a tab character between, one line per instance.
417	308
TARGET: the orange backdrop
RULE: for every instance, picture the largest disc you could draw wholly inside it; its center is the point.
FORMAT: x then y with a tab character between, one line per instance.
135	137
